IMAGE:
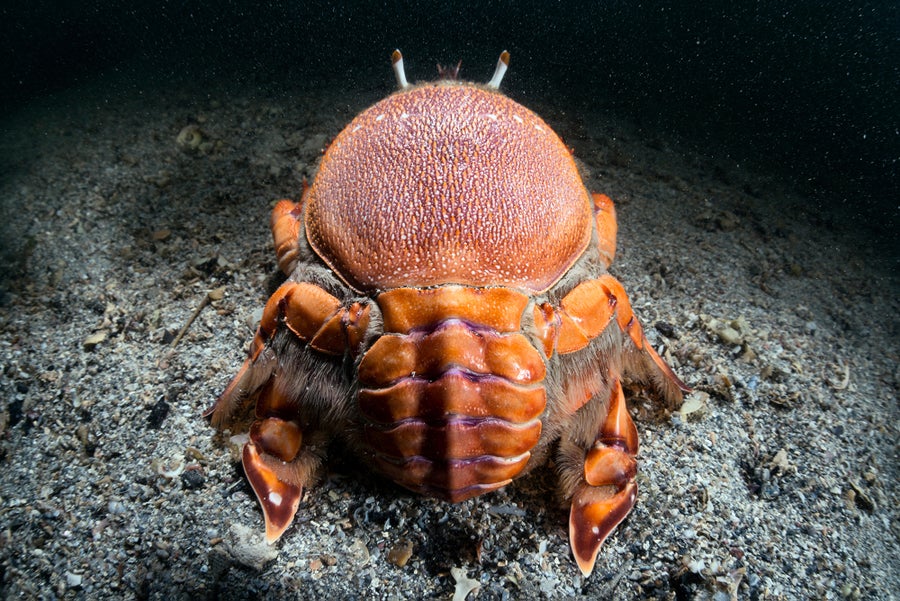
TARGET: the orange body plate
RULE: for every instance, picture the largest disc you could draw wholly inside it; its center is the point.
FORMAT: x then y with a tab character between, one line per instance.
452	395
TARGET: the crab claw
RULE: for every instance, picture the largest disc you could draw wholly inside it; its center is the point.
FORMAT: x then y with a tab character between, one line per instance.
608	490
596	511
279	500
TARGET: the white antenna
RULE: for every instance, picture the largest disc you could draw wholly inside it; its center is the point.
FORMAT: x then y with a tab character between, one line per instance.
397	64
500	71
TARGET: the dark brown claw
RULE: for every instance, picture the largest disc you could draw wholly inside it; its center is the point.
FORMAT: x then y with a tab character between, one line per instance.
596	511
279	500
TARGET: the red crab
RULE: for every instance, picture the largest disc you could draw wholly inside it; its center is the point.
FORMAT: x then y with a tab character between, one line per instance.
448	315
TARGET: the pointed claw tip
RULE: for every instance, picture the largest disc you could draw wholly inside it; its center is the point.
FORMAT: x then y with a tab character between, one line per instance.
584	549
272	537
279	507
279	512
586	566
274	531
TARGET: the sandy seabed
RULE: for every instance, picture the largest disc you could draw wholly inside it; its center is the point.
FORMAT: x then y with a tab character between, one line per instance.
777	480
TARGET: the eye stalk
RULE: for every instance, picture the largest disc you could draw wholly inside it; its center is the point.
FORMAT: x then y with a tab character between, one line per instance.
500	71
399	73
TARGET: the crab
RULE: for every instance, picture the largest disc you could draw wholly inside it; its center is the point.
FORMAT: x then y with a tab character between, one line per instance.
448	316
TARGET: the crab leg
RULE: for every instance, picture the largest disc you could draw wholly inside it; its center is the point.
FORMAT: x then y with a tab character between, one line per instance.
280	457
277	462
584	314
605	216
308	311
287	230
607	490
602	480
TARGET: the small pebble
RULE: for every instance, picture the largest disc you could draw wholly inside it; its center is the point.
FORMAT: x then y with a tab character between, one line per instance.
329	560
93	340
192	479
666	329
245	547
189	138
729	335
400	553
359	553
158	413
694	404
548	585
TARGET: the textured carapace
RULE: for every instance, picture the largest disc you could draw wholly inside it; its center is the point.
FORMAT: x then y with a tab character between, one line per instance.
469	188
448	316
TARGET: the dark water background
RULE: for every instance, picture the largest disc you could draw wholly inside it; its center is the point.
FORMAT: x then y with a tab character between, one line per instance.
809	90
